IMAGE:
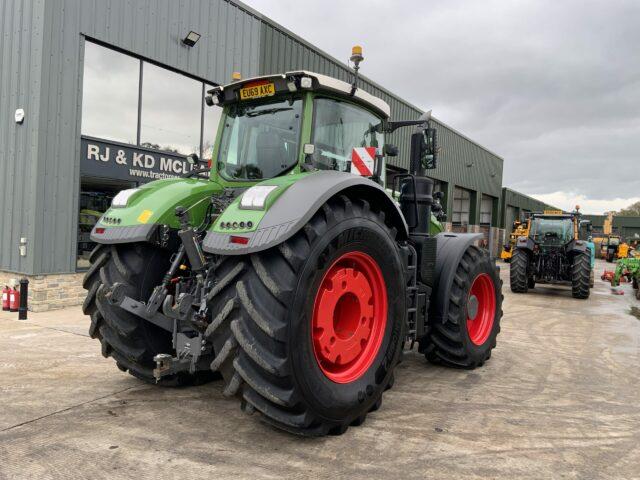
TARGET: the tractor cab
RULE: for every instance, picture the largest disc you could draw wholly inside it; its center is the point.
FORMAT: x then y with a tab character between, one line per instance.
297	122
552	230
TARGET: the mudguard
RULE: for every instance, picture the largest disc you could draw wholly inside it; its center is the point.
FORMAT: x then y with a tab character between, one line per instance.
451	248
294	207
525	243
578	246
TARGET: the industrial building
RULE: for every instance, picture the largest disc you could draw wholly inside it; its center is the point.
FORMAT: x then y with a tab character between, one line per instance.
627	227
103	95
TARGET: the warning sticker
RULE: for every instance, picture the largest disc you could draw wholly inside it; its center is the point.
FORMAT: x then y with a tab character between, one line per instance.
363	160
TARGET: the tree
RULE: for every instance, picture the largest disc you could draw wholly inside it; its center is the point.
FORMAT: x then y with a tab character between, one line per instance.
632	210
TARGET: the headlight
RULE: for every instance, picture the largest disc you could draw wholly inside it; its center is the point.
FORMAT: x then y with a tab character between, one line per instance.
121	199
256	197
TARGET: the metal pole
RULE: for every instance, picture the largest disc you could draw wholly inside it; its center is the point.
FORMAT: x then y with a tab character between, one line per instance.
24	292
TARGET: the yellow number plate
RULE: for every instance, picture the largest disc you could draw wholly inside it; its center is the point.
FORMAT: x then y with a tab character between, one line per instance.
257	91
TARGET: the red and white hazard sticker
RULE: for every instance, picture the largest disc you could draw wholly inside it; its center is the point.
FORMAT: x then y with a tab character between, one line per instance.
363	161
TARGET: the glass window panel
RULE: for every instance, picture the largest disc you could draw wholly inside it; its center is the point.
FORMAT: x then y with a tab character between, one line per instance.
260	140
110	94
461	206
171	111
338	128
486	210
211	121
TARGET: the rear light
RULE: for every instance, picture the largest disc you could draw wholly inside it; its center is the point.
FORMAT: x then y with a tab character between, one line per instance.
238	240
99	230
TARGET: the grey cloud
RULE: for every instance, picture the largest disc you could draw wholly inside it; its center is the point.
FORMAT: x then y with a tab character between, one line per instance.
553	87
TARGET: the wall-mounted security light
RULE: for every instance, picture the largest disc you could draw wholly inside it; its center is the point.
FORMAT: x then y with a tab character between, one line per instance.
19	116
191	39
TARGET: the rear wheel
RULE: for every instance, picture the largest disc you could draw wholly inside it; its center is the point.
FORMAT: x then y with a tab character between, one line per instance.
592	279
309	332
131	341
580	276
518	275
468	335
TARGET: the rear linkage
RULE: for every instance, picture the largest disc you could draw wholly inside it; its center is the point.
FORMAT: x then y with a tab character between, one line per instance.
183	313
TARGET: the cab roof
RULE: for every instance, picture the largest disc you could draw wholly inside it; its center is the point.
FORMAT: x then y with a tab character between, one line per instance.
321	83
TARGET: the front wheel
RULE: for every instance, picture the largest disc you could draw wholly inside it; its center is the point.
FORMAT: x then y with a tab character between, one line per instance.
467	336
309	332
131	341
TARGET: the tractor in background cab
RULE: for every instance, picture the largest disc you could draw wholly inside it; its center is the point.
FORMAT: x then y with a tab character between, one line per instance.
288	268
557	249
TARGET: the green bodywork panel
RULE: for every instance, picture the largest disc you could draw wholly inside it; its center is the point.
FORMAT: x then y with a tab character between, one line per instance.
435	226
235	214
155	203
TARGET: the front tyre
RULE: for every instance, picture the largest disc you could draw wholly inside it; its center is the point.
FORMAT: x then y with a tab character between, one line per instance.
310	331
131	341
467	336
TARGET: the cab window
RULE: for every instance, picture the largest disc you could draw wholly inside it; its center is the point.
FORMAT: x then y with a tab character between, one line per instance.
338	128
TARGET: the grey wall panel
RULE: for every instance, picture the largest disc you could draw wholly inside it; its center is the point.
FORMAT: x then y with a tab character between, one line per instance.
151	29
21	43
521	202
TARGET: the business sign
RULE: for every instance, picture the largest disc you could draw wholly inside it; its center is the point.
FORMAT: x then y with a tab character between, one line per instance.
106	159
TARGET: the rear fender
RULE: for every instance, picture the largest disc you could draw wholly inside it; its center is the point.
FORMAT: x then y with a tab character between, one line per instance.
451	248
578	246
524	243
293	208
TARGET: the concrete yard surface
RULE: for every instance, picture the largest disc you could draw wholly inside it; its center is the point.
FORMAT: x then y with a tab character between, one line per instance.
560	398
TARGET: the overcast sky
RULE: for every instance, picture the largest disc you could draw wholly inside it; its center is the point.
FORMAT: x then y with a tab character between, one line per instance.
551	86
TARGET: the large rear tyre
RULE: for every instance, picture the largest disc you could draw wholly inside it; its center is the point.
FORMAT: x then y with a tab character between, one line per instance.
580	276
592	279
468	335
518	275
131	341
309	332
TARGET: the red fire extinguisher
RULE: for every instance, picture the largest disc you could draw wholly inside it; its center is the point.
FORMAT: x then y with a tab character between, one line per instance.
14	299
5	298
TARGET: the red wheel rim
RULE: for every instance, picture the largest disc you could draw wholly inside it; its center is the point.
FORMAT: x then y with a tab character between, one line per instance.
481	308
349	317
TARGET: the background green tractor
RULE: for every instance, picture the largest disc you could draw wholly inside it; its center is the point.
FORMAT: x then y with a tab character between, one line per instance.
290	269
557	249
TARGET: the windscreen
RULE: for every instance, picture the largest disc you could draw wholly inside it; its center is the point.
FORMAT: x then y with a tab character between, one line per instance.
260	141
546	230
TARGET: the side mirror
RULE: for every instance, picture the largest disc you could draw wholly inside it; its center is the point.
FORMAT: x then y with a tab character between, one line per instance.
390	150
193	159
424	150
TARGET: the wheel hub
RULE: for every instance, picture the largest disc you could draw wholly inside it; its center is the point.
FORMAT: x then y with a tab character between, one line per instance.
481	309
472	307
349	317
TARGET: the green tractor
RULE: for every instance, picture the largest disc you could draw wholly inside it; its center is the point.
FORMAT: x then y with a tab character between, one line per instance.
556	250
288	267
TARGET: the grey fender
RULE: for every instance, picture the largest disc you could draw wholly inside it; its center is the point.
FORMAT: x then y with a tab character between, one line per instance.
578	246
525	243
450	248
295	207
